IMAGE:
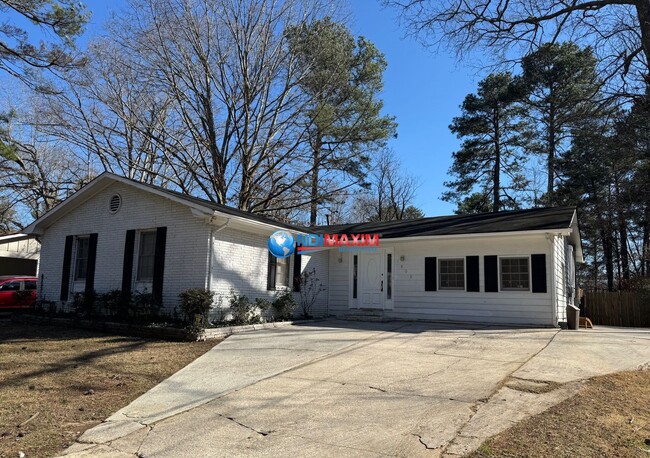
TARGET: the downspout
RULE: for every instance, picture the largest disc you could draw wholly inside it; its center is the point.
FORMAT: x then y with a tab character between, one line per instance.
551	237
213	230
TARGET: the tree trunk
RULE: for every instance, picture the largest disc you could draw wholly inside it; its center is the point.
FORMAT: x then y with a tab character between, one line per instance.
645	259
550	198
643	13
313	214
609	258
496	204
624	276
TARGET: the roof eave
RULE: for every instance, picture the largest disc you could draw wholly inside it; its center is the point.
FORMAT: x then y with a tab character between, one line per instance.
560	231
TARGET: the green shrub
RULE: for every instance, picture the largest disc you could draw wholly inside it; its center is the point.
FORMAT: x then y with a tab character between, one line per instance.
83	304
195	302
109	303
284	305
241	309
264	306
145	305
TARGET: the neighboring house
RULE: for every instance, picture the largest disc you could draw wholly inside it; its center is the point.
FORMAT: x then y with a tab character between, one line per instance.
19	254
116	233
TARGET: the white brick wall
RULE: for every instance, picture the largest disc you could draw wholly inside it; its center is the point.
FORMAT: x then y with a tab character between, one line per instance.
239	257
186	250
240	265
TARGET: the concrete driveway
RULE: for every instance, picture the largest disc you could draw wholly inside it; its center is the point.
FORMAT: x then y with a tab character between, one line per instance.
361	389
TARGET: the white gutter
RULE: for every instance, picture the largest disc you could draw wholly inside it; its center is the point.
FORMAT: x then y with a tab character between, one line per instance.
477	235
554	313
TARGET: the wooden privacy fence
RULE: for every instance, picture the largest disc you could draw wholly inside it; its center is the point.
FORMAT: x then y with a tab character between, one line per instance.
617	309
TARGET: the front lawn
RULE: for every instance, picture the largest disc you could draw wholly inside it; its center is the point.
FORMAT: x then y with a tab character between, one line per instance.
609	416
57	382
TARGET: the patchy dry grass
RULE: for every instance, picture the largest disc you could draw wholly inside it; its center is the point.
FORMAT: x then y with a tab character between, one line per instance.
55	383
609	416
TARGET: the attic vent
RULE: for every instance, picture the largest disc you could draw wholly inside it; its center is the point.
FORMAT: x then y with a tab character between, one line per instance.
115	203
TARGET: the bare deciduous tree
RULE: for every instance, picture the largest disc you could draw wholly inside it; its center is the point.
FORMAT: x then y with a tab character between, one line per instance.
619	30
390	195
45	174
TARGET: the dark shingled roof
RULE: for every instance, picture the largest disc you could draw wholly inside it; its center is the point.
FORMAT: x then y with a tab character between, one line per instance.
510	221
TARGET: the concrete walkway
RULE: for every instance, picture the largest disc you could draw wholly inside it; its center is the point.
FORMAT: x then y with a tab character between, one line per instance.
362	389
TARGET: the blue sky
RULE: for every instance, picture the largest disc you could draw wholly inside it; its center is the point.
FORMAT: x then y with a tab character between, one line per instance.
421	88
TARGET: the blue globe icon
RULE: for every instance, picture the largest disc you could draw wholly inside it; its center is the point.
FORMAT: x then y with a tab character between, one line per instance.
281	244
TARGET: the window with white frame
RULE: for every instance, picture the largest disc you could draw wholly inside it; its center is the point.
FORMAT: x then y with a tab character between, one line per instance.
515	274
282	272
146	256
451	273
81	258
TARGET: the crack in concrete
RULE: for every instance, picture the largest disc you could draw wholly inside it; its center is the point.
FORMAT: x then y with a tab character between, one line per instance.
149	429
349	447
501	384
378	389
261	433
387	391
424	443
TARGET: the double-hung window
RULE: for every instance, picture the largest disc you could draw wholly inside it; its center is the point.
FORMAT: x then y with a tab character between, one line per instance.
278	274
451	274
515	274
81	258
146	256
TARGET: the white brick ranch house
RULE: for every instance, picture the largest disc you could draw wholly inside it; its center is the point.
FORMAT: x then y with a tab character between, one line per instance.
115	233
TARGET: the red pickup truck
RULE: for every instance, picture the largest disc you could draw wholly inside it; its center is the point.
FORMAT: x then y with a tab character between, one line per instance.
17	292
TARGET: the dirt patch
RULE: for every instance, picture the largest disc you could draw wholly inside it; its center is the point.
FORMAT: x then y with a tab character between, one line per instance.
55	382
609	416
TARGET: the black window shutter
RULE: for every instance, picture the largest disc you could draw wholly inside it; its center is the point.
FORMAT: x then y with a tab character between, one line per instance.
127	264
297	263
538	268
491	267
473	284
90	266
159	263
270	279
65	271
430	274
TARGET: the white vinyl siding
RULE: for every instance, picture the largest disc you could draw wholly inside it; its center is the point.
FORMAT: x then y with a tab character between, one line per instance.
560	276
410	301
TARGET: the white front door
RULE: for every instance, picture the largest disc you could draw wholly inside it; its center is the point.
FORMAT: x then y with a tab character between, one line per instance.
372	280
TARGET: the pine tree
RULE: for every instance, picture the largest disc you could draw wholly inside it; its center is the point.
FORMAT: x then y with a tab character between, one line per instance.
491	152
562	88
344	120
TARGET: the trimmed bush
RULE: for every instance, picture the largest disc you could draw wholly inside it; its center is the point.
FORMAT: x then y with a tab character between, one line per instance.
195	302
109	303
284	305
241	309
264	306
